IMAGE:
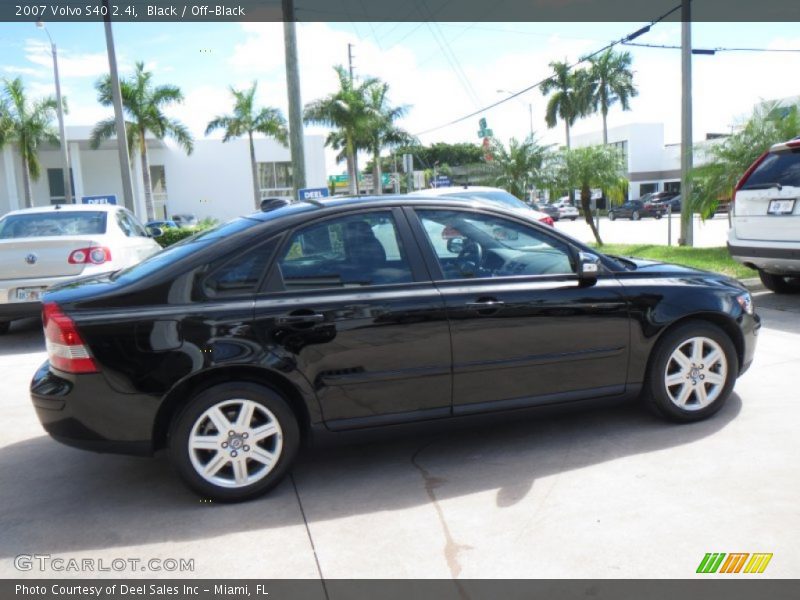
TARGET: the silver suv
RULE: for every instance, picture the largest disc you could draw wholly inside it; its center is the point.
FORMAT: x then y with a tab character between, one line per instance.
765	231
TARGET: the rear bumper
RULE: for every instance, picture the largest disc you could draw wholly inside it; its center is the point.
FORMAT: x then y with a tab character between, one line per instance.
85	412
778	258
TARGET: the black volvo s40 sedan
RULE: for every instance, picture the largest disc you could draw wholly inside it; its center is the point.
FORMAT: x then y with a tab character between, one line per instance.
231	348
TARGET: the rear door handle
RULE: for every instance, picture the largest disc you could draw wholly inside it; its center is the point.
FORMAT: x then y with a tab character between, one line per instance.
300	319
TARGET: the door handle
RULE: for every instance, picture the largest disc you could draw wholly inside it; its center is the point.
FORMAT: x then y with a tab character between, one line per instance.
301	319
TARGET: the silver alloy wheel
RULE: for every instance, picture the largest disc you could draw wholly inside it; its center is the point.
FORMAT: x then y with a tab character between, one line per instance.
235	443
695	373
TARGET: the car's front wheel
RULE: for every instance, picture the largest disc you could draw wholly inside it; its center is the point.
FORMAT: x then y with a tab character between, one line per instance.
635	216
692	372
778	283
234	442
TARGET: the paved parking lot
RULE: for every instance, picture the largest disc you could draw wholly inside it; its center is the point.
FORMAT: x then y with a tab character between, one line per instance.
604	493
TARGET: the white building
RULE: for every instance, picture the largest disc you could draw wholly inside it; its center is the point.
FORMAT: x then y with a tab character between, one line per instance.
652	166
214	181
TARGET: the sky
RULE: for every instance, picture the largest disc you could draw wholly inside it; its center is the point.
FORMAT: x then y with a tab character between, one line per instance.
441	71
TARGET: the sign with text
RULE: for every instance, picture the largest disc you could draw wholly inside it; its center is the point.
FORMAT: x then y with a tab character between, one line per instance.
312	193
107	199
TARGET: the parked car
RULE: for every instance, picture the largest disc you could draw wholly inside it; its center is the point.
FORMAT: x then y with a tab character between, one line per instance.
764	232
165	224
548	209
657	202
672	204
485	194
42	246
567	211
185	220
236	346
633	210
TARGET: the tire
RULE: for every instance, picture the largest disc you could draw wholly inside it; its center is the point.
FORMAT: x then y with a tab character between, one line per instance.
572	218
4	327
778	283
657	216
612	215
243	470
635	216
693	395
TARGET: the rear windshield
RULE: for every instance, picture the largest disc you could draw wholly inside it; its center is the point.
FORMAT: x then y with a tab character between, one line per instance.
182	249
782	168
54	223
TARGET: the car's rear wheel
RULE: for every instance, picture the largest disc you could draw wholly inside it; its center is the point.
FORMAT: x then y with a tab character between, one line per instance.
611	215
779	283
635	216
692	372
4	327
573	218
234	442
657	216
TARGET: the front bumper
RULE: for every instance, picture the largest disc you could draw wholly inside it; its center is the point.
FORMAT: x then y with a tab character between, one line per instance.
85	412
19	310
750	326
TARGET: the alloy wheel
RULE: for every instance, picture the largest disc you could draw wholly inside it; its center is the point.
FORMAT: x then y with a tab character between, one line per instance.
695	374
235	443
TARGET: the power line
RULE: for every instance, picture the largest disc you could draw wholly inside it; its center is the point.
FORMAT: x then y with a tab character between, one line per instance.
582	59
709	50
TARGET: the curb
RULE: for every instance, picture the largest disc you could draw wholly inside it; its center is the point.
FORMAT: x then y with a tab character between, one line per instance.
753	284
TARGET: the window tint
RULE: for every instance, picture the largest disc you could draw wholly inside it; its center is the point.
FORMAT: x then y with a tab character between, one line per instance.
55	223
470	245
356	250
133	223
783	168
498	197
241	273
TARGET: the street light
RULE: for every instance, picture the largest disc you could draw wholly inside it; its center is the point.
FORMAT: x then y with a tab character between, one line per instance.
62	132
530	106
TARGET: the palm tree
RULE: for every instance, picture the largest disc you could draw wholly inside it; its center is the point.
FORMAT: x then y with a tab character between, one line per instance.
28	125
518	168
612	81
588	168
247	119
344	110
382	131
143	104
570	99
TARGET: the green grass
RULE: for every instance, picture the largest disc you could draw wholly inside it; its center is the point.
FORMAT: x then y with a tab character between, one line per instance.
709	259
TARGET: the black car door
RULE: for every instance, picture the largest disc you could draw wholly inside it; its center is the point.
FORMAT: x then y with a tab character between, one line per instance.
350	305
524	331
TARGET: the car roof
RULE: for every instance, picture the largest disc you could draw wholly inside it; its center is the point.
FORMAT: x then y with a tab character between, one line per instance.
66	208
385	201
455	189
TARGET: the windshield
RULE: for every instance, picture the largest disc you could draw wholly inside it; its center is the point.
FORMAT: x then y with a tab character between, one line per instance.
498	197
53	224
182	249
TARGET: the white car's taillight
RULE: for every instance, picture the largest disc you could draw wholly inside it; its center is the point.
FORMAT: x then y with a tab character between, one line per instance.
65	348
95	256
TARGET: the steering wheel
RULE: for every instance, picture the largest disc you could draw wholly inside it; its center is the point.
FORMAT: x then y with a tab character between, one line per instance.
470	259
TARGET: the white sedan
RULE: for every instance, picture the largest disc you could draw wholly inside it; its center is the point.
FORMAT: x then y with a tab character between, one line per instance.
42	246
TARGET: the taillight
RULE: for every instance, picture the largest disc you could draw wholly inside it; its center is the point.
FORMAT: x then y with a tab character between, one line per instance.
65	348
547	221
94	256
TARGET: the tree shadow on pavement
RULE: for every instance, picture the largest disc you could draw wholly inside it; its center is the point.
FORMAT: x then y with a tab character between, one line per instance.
58	499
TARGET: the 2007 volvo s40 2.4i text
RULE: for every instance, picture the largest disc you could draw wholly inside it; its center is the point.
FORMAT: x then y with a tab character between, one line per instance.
232	347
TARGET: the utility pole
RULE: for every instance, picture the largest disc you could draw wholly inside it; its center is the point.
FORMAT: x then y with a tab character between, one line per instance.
68	199
122	136
295	105
355	150
686	124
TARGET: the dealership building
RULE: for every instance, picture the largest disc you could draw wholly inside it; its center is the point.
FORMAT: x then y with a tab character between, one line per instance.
214	181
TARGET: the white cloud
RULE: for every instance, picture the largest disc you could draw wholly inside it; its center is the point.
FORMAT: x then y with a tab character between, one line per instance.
89	64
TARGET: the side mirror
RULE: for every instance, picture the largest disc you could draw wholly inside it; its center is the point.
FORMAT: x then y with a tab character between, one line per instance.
155	231
588	268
